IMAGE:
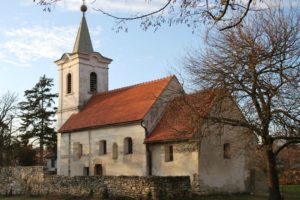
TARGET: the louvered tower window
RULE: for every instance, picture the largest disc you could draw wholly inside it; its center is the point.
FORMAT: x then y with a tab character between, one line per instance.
69	83
93	82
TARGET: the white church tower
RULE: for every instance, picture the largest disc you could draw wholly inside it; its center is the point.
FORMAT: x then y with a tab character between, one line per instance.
82	74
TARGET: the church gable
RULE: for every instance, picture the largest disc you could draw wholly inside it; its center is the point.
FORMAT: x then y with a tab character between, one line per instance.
183	117
124	105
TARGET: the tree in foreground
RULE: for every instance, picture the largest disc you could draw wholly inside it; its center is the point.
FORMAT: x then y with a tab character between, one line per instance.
258	64
37	115
8	109
227	13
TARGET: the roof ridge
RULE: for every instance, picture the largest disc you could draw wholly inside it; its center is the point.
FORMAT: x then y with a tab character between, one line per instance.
134	85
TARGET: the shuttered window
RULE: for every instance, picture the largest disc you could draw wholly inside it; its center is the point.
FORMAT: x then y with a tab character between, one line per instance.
69	83
93	82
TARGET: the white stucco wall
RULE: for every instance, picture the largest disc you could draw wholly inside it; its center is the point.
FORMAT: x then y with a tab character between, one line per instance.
131	164
185	160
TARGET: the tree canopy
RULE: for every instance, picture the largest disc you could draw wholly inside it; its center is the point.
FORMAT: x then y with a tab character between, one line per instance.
37	115
8	107
258	64
225	13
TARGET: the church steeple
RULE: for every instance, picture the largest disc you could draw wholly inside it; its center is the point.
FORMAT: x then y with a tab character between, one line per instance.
82	73
83	43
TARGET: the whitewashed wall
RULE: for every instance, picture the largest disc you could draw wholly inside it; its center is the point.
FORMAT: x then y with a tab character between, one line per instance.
130	164
185	160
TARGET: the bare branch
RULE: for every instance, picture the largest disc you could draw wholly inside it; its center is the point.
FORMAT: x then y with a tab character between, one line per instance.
134	18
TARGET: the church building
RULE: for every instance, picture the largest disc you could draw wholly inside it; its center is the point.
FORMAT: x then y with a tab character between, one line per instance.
144	129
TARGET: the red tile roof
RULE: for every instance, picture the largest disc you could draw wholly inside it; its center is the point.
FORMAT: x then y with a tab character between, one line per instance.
117	106
183	117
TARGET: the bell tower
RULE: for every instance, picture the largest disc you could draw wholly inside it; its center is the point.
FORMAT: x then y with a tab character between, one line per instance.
82	73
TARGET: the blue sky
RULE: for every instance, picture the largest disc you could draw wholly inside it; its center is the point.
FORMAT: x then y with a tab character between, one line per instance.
31	40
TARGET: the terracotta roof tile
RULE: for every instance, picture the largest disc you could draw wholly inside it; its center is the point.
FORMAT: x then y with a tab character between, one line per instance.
183	116
117	106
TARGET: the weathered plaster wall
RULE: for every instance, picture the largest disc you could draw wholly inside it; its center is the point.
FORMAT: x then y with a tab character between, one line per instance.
216	172
32	181
219	174
185	160
125	164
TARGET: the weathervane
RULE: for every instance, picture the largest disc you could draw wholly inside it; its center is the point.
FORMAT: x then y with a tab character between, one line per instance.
83	7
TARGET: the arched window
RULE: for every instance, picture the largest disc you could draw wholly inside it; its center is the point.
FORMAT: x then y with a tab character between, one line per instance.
115	151
93	82
69	83
128	145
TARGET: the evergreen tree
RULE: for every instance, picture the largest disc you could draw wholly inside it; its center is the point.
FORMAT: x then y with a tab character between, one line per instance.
37	115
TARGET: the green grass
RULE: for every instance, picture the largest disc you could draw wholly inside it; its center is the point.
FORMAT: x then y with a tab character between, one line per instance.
290	192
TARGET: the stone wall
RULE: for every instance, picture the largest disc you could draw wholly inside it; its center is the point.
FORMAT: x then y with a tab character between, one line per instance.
32	181
290	177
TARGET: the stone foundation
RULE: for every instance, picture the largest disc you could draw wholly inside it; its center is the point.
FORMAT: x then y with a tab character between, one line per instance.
33	181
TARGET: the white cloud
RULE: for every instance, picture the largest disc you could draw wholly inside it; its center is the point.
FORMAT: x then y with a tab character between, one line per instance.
29	44
22	46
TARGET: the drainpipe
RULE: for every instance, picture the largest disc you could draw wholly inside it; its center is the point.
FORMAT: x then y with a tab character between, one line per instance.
69	157
148	153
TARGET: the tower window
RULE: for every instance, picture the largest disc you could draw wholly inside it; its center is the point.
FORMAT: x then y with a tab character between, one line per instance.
93	82
227	153
69	83
128	145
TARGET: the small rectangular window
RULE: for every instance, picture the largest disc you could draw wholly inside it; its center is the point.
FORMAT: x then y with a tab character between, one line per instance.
168	153
227	153
53	163
127	145
102	147
86	171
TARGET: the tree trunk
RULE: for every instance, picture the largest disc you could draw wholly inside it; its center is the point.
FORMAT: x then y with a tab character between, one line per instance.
41	158
273	180
1	150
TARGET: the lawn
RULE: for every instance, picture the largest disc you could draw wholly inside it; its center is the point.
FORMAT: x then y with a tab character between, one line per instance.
290	192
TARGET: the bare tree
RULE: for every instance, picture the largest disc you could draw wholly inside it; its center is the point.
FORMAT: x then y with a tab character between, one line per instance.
7	111
258	64
227	13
